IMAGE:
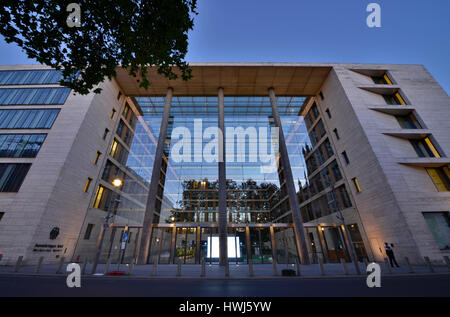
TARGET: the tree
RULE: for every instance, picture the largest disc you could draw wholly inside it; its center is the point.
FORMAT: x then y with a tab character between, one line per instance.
127	33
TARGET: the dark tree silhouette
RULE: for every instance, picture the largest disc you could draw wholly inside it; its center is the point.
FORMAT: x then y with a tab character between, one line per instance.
126	33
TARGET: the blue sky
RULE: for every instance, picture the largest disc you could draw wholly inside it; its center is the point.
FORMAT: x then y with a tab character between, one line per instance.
412	32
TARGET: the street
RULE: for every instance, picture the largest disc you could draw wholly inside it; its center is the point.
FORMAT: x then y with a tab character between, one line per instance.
413	285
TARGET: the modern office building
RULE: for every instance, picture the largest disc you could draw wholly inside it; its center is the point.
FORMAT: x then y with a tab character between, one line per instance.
316	161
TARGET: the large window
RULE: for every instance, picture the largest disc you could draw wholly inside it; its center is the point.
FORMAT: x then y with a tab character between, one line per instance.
394	99
30	77
439	223
12	176
33	96
440	177
408	122
425	148
27	119
20	145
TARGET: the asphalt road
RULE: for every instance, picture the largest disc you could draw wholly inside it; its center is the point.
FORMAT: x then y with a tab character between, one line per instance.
414	285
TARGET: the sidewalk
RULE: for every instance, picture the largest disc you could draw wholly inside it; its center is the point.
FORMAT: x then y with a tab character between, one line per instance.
235	271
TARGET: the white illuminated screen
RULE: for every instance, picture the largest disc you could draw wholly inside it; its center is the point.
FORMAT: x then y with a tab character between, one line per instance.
233	252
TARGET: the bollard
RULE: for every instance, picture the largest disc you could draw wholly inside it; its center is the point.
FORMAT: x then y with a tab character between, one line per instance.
227	269
60	265
388	265
427	260
409	265
203	269
83	267
274	264
366	263
344	265
250	267
155	265
18	264
179	268
131	266
38	265
447	260
322	269
299	273
108	262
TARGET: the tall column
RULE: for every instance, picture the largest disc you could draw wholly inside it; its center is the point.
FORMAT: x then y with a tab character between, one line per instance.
293	202
153	189
223	254
323	244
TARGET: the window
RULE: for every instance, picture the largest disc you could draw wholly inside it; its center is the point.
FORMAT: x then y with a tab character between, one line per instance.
105	134
20	145
425	148
88	232
1	215
86	186
97	156
321	96
382	80
126	110
30	77
439	224
408	122
395	99
98	196
27	118
328	113
119	95
12	176
113	112
345	157
440	177
356	183
33	96
336	133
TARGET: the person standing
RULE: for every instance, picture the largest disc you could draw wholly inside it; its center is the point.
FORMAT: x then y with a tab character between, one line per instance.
390	253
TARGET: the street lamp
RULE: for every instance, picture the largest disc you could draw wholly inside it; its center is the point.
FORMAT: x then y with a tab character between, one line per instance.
340	216
117	182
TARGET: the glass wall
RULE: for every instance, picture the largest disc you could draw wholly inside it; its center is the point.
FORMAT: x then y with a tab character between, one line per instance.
12	176
33	96
30	77
28	118
20	145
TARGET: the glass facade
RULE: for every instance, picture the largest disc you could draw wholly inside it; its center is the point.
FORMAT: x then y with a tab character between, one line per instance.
20	145
33	96
27	118
185	223
30	77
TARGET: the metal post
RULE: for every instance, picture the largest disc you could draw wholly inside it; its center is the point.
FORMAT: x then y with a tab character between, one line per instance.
344	265
38	265
447	260
430	265
299	272
172	245
155	265
247	242
108	262
274	264
293	201
223	254
179	268
18	264
250	267
409	265
131	266
154	183
388	265
322	269
60	265
197	248
203	269
83	267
